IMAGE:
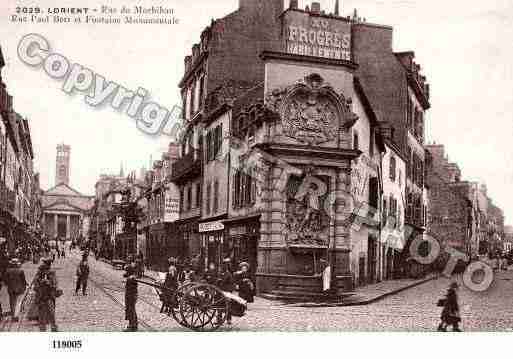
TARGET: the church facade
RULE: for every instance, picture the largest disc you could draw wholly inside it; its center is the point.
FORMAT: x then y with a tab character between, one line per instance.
64	208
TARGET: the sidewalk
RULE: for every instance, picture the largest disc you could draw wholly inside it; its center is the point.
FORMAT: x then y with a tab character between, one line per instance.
371	293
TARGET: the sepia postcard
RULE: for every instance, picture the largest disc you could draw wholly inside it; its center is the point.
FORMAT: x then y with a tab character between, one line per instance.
255	166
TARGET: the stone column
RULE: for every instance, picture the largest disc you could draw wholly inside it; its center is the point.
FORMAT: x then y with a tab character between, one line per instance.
68	226
55	226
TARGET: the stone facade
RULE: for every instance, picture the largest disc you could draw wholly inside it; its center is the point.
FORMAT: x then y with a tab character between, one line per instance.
283	113
64	209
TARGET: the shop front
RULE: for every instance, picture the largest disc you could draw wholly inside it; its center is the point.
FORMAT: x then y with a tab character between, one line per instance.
188	240
241	244
7	224
212	237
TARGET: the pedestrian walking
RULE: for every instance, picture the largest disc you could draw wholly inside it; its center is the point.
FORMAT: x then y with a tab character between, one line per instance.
451	310
82	276
46	294
16	285
187	276
226	284
4	263
131	298
169	287
211	274
245	283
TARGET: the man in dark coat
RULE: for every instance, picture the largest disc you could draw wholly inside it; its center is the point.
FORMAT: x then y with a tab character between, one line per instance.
226	284
170	286
16	285
131	298
46	294
82	276
4	263
451	312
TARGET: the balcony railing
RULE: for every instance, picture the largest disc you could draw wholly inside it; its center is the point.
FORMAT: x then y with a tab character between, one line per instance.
187	166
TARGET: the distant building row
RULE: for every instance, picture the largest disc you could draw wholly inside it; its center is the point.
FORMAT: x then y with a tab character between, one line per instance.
20	201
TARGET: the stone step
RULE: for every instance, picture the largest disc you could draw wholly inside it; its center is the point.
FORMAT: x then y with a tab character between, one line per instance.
304	296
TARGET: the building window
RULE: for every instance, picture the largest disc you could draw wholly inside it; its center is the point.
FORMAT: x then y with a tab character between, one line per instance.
218	134
181	199
201	91
409	113
198	195
371	142
244	188
189	106
409	206
208	146
193	98
384	213
415	121
209	194
393	211
189	198
236	189
373	192
392	168
184	104
216	196
356	145
420	129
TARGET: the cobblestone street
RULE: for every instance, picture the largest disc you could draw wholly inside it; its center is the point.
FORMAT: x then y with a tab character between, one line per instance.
411	310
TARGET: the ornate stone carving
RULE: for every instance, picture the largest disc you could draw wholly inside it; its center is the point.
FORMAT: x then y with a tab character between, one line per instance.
307	222
311	111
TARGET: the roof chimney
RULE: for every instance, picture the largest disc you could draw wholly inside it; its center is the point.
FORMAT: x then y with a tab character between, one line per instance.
337	8
294	4
355	15
316	8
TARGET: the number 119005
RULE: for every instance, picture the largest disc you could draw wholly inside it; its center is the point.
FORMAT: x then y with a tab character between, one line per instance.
66	344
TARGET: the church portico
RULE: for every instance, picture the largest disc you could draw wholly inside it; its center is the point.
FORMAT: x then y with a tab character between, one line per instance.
64	208
63	225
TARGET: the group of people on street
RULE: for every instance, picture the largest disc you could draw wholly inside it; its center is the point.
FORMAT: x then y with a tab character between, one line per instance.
226	279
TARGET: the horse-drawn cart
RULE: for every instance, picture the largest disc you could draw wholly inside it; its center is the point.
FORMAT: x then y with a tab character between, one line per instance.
201	306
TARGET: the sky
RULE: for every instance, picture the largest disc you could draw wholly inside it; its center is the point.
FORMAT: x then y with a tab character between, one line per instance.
464	48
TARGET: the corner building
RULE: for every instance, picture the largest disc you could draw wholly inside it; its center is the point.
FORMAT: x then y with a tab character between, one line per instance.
282	147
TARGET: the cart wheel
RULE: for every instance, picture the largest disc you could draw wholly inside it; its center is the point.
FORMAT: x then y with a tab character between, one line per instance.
203	307
177	300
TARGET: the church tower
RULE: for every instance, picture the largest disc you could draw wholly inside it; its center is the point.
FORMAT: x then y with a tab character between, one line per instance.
62	165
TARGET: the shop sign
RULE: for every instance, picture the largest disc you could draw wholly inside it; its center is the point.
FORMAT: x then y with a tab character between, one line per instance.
211	226
171	204
318	37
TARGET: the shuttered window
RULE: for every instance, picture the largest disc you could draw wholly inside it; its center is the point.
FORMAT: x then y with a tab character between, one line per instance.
198	195
209	195
373	192
384	213
216	196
